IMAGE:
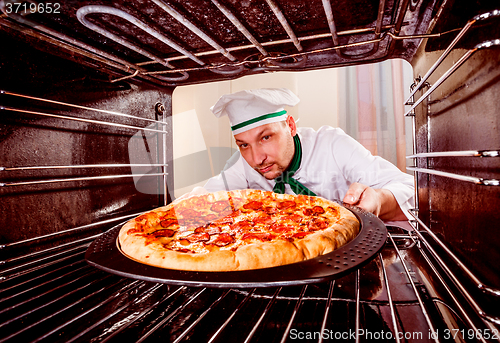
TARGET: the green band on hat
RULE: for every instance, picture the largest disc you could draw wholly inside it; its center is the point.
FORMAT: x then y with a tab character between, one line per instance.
255	120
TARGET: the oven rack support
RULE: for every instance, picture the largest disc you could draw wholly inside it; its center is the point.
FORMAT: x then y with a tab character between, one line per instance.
20	244
55	102
469	24
473	179
91	121
487	319
450	71
161	124
463	153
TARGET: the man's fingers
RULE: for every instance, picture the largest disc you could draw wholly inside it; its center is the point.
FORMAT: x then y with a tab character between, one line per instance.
354	193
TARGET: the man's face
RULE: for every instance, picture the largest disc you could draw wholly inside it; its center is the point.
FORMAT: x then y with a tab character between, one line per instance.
268	148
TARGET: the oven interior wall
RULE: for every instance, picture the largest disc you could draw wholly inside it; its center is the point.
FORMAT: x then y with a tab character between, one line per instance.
462	115
29	139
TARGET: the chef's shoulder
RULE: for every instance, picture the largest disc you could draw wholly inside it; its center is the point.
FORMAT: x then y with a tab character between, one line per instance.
325	135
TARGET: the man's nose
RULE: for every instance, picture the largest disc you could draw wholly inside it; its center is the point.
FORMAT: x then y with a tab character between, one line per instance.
259	155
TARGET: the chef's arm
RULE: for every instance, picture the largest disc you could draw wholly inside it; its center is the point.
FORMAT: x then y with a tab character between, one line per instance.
380	202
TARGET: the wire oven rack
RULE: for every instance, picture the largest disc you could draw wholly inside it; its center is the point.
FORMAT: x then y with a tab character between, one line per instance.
54	295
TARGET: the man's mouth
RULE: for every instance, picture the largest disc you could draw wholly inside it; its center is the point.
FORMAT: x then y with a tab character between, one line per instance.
265	169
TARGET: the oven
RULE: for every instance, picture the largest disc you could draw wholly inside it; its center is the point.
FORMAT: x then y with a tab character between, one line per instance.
86	144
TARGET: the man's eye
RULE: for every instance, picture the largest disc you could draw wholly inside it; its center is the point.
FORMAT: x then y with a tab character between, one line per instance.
243	146
265	138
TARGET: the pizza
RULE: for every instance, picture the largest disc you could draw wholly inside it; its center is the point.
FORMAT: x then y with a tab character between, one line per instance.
237	230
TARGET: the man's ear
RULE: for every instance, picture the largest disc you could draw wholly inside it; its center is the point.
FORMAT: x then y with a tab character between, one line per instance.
292	125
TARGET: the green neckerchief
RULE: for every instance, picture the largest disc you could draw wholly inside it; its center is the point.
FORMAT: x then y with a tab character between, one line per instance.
286	177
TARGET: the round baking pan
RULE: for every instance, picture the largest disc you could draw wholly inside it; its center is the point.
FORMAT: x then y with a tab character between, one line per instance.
104	253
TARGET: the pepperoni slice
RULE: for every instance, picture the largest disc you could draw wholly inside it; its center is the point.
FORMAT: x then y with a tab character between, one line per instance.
267	220
253	205
224	221
167	222
241	226
318	223
280	228
262	236
163	233
308	212
286	204
211	230
189	213
220	206
198	237
318	210
293	217
270	210
223	239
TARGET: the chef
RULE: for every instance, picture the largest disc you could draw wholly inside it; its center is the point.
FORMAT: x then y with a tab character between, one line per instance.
275	155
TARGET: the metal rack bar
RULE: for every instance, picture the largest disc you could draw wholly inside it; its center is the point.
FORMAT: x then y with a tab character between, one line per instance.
295	310
41	252
464	153
79	250
85	10
41	276
301	39
448	290
79	119
479	284
24	328
262	316
239	25
450	71
88	226
193	28
467	26
327	310
77	271
82	166
476	180
170	316
128	288
223	326
357	294
78	106
193	324
52	290
327	6
280	16
115	312
144	313
389	297
88	178
415	290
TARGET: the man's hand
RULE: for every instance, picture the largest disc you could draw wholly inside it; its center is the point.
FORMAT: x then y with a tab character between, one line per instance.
380	202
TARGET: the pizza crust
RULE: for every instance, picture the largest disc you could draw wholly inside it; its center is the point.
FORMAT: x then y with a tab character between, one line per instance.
251	255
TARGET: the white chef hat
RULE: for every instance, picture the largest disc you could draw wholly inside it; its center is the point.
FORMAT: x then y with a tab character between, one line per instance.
252	108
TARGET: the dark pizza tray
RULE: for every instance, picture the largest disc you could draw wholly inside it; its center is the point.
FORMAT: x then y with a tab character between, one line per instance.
104	253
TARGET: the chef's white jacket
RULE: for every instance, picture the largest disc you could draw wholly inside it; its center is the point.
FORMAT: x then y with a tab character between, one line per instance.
331	162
